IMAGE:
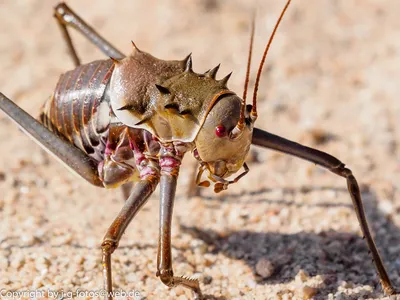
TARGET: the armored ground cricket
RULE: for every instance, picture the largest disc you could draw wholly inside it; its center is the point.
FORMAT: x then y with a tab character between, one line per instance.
115	120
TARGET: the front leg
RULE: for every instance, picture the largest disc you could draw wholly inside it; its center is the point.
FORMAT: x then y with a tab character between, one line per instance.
274	142
170	161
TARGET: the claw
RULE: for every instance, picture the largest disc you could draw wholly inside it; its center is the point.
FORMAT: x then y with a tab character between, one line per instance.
190	278
191	283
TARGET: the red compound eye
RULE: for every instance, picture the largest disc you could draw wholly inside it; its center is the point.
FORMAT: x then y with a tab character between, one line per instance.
220	131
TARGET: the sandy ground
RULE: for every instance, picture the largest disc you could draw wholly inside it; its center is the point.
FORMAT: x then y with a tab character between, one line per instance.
287	230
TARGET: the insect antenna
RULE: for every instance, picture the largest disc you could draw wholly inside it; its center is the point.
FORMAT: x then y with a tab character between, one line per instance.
246	82
253	113
240	125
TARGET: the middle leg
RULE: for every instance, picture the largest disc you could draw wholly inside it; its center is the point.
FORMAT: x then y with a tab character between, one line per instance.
140	193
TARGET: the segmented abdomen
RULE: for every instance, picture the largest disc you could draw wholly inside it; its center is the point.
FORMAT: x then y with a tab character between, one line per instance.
79	108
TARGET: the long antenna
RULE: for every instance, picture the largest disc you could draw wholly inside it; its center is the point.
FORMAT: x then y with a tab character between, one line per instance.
246	83
254	108
240	125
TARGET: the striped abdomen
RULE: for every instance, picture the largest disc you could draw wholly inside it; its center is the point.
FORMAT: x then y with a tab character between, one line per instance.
79	108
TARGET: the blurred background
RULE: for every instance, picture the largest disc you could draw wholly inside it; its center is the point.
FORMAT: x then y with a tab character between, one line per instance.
285	230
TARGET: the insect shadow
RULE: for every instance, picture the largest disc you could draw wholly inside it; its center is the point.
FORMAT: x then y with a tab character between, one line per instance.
337	256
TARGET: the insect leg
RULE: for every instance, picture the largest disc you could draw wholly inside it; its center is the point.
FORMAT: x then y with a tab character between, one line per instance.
274	142
140	193
71	156
66	17
169	175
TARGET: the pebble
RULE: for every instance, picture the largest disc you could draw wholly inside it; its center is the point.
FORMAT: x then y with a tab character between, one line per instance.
18	261
28	240
386	207
265	268
308	292
207	279
42	263
301	276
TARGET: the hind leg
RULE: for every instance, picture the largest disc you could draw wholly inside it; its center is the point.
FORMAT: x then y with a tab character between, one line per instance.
74	158
66	17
